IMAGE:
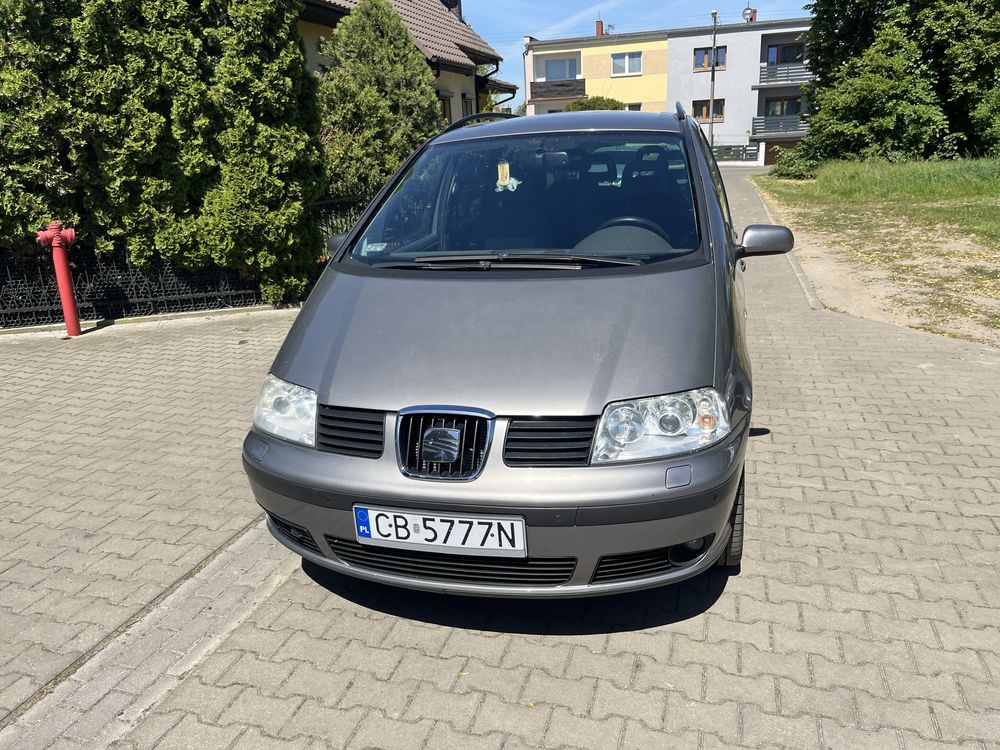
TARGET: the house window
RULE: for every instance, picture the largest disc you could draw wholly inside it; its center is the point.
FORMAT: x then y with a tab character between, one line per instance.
560	69
783	106
467	108
626	64
785	54
633	107
703	58
446	108
699	109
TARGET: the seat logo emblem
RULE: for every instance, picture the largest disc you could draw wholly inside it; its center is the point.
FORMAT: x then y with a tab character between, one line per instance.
440	445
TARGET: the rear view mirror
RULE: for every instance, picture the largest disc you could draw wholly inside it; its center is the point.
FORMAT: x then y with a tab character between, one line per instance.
766	239
333	244
555	159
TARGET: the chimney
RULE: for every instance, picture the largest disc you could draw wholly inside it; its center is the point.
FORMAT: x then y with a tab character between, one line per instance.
753	15
455	6
600	27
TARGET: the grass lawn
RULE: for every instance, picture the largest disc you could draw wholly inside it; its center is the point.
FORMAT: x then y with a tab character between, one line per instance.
933	226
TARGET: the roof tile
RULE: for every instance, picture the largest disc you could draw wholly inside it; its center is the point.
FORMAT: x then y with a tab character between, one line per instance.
437	32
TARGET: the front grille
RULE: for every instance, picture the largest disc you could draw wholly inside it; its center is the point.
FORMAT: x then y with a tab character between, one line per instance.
351	432
494	571
296	533
540	441
473	444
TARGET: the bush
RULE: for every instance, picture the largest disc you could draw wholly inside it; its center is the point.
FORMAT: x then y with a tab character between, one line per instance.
186	130
588	103
794	164
882	106
986	117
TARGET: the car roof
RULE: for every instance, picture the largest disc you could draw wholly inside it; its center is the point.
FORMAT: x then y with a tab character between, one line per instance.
613	120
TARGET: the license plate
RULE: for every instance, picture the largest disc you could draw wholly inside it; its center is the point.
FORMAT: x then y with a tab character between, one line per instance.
496	536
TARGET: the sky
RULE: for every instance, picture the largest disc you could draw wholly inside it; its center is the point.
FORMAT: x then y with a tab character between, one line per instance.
505	23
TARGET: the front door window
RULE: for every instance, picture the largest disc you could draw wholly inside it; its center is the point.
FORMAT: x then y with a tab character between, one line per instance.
785	54
782	106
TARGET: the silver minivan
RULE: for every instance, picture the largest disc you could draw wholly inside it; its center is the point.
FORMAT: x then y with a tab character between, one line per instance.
524	372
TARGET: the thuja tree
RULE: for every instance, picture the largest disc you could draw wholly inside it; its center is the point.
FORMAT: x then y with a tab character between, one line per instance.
197	134
377	99
36	180
141	133
257	206
191	132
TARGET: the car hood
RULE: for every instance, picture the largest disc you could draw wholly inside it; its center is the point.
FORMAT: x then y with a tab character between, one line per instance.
513	345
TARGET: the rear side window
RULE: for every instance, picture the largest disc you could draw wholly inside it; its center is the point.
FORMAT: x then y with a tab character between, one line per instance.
622	195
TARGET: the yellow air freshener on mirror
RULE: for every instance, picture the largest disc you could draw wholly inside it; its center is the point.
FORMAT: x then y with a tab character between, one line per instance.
504	180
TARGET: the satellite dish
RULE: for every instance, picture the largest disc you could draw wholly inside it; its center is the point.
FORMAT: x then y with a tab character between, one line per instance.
747	14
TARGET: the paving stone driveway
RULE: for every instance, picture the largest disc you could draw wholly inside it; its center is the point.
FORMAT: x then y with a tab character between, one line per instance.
142	605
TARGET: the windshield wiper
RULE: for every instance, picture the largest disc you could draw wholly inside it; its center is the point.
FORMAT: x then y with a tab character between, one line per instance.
485	261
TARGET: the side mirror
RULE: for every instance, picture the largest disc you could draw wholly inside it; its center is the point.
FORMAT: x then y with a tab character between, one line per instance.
766	239
333	244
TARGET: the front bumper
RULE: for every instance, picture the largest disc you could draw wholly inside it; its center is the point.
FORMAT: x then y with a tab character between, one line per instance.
585	513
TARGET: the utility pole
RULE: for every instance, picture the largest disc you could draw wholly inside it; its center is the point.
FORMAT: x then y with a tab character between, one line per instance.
711	95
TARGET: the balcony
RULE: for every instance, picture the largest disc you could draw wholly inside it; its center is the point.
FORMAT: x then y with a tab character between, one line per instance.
788	126
776	75
557	89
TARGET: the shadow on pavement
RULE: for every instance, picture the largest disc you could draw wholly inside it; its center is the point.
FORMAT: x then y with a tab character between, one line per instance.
606	614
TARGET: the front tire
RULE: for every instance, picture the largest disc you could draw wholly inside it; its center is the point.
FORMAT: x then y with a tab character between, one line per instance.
733	553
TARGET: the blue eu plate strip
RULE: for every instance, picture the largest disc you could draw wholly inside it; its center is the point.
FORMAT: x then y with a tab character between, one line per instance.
361	521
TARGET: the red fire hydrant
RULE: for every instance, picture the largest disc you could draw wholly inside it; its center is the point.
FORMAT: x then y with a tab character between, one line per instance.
60	239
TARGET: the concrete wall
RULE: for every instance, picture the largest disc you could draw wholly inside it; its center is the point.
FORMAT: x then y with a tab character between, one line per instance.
311	34
648	89
456	85
745	51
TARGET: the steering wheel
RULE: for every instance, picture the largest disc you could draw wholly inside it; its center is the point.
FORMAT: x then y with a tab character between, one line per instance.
635	221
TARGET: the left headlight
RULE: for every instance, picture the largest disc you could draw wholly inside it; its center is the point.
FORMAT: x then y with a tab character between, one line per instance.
287	411
660	426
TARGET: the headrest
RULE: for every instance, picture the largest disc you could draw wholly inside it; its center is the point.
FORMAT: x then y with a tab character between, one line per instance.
610	171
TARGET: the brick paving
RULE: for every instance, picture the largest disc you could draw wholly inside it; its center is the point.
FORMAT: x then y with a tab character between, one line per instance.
138	586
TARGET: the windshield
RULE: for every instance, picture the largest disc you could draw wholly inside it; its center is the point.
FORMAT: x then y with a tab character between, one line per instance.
600	195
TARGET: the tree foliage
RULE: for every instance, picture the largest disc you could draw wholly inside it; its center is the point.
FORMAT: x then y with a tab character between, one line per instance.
36	177
588	103
377	99
163	126
840	31
883	105
957	43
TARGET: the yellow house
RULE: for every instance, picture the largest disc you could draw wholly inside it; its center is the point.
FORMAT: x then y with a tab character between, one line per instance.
631	68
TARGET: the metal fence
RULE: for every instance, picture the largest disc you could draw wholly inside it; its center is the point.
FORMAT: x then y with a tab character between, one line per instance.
744	152
109	285
338	215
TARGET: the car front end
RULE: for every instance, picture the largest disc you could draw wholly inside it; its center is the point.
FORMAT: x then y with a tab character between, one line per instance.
563	417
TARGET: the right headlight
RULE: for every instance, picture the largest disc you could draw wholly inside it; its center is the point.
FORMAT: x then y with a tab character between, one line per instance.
660	426
287	411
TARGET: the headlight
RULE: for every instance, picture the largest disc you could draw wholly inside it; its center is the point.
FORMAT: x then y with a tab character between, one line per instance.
660	426
286	410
